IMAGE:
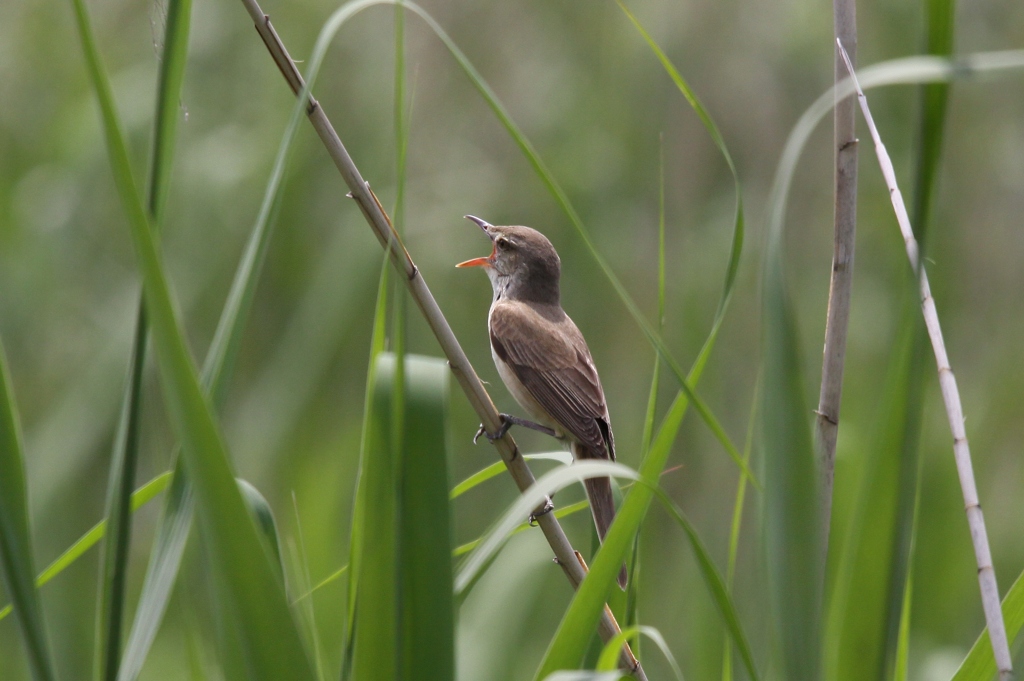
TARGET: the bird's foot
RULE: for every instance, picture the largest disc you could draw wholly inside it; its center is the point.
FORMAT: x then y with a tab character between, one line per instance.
507	421
548	507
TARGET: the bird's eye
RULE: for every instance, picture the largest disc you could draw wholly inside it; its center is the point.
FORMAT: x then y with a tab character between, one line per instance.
502	242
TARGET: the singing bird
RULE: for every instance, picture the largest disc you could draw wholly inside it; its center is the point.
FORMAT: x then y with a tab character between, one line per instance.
542	358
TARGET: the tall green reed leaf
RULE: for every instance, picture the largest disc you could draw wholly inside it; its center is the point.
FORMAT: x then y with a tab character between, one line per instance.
864	621
243	572
404	611
792	526
358	538
114	566
425	571
16	561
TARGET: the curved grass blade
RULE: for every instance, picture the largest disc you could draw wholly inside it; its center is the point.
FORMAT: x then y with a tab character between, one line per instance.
906	71
245	576
265	523
570	641
610	653
584	675
15	537
546	485
140	498
495	469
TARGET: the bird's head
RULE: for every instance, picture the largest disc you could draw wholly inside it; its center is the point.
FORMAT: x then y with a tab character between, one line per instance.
523	265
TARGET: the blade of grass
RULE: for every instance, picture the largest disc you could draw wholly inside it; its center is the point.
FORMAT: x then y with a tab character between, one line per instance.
140	498
16	561
124	460
716	585
427	628
404	518
272	647
792	526
737	522
546	485
979	664
566	648
609	653
569	643
495	469
863	625
357	539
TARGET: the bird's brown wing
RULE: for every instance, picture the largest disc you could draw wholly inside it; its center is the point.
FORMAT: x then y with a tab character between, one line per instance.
558	372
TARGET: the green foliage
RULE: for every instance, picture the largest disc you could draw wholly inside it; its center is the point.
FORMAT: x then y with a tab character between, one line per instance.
15	539
404	609
576	104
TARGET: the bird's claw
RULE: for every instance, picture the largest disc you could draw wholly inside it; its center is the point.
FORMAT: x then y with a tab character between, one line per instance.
505	425
549	506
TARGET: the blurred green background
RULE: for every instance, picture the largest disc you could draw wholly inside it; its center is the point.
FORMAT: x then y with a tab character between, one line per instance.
579	81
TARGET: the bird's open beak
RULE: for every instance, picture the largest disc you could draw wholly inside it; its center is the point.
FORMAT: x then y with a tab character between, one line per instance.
481	262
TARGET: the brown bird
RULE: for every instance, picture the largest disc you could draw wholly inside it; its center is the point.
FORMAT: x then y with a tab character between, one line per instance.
542	358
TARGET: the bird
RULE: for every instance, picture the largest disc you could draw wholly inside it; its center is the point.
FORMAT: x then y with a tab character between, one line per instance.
542	357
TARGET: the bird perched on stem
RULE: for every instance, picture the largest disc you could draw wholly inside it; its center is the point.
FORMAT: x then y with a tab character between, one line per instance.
542	358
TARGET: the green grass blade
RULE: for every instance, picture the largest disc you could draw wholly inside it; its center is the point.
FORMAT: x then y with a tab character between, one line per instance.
792	524
427	605
375	558
979	664
609	659
265	523
140	498
113	572
244	573
114	566
940	16
716	585
546	485
570	641
497	468
16	562
161	572
875	566
584	675
737	521
356	541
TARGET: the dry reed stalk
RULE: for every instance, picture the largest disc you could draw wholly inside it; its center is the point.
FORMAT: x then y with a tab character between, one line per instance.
466	376
826	428
951	398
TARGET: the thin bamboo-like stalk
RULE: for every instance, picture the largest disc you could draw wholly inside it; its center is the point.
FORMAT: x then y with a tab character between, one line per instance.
951	398
418	289
826	429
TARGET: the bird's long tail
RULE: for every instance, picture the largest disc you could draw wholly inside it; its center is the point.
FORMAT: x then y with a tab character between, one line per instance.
602	504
